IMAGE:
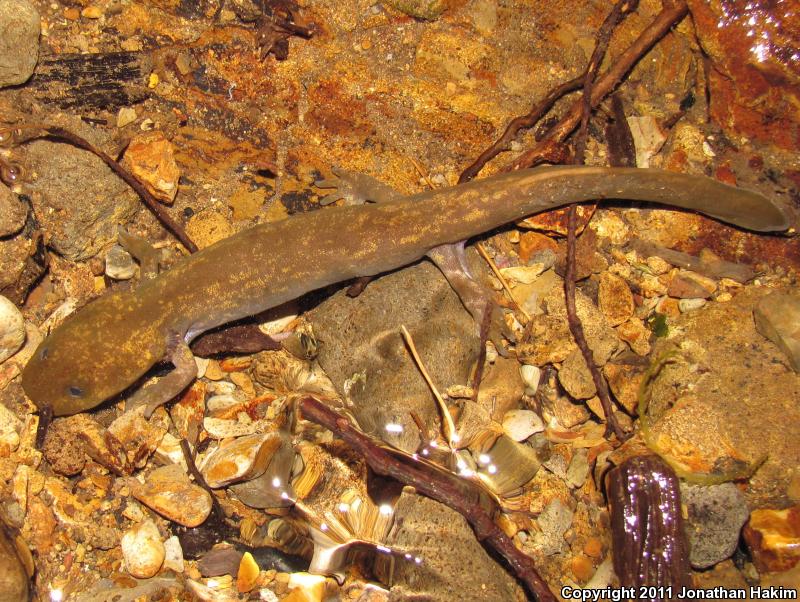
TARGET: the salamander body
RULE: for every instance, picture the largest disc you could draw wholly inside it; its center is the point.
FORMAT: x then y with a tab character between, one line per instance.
107	346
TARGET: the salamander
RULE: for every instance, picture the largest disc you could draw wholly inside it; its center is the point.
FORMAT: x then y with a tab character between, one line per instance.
107	346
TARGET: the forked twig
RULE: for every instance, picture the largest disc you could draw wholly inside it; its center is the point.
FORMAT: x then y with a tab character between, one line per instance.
447	488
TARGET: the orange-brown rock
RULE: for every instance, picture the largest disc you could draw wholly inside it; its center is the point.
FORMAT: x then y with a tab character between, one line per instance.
773	537
151	158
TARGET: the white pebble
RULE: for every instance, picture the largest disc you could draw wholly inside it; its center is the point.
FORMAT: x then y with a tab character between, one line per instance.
12	329
10	427
126	116
119	264
173	559
142	550
531	375
216	403
220	387
521	424
690	304
202	364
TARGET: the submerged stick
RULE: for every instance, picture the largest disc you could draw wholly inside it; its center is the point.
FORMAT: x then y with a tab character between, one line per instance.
443	487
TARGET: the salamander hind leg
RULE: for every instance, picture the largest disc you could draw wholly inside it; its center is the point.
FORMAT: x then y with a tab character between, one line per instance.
477	299
169	386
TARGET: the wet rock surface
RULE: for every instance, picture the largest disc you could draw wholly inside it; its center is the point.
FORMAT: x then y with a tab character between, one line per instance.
360	342
80	200
713	415
440	575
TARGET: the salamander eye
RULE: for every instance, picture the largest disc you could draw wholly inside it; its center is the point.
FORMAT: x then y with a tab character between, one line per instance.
75	391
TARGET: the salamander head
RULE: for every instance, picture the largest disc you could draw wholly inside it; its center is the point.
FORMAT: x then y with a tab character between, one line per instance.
95	354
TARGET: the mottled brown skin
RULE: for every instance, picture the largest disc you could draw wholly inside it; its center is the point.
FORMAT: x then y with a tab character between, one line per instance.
112	342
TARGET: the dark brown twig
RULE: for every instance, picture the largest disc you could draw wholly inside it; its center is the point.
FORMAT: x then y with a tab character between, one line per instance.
198	477
458	494
621	8
63	135
174	227
520	123
673	11
485	329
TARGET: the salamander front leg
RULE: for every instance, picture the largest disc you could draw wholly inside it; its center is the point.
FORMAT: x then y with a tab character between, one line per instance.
142	251
452	262
169	386
356	189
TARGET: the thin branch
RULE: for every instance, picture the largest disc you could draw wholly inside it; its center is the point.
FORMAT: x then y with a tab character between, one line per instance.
621	8
446	488
58	133
447	419
503	282
198	477
524	122
671	14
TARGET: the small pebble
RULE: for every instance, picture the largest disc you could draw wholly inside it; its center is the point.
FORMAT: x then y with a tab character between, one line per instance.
120	264
244	382
531	376
133	44
310	588
578	468
12	329
575	377
636	334
593	547
715	516
126	116
523	274
240	460
686	305
614	298
221	387
690	285
19	42
521	424
202	364
10	427
582	568
183	63
168	491
213	371
658	266
777	317
92	12
217	403
773	537
173	559
143	550
248	573
151	158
